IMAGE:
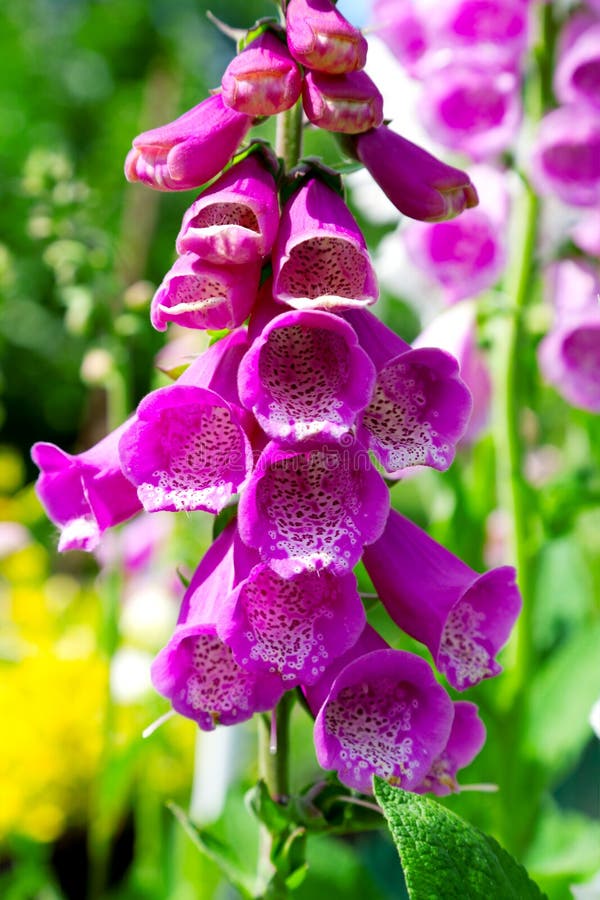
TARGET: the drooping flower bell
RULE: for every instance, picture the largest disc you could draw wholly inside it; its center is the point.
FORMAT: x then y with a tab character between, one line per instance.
320	259
315	509
199	294
467	737
418	184
345	103
84	494
464	618
306	377
566	156
187	447
196	671
191	150
263	79
319	37
383	714
236	219
294	626
420	406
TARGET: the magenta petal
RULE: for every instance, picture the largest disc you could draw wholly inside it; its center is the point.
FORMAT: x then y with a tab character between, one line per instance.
419	411
199	294
196	670
385	715
420	407
84	494
191	150
236	219
467	737
295	626
313	510
319	37
320	260
344	103
263	79
186	450
462	617
305	376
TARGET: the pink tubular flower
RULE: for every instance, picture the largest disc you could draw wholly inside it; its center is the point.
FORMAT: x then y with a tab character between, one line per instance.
462	617
187	448
384	715
419	408
569	355
566	158
467	737
196	670
199	294
263	79
313	510
454	331
236	219
305	377
320	260
294	626
418	184
416	30
577	75
346	103
319	37
469	107
496	28
84	494
189	151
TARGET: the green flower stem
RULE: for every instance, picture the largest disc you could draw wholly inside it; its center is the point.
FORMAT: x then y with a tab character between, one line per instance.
273	762
522	509
521	794
288	137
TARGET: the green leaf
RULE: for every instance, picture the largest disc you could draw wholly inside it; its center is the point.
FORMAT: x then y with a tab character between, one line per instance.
215	850
272	814
445	858
560	698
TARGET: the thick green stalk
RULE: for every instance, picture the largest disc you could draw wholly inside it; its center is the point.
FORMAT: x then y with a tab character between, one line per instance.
521	795
273	763
288	137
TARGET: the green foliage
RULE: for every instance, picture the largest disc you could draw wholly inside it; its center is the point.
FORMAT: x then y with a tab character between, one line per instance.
444	857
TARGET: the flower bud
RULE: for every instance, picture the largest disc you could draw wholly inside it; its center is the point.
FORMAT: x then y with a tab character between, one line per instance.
263	79
347	103
189	151
319	37
418	184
